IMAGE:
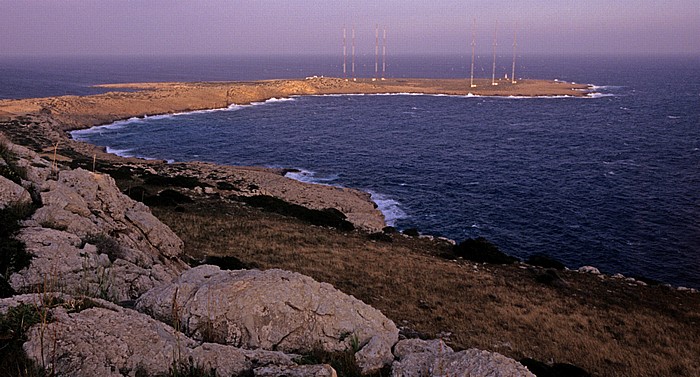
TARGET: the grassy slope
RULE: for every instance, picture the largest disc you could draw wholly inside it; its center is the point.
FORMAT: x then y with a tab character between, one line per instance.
610	328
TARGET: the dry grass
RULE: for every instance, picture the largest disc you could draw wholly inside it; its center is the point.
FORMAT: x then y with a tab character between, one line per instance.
606	327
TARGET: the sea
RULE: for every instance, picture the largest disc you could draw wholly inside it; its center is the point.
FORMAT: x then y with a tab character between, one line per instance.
611	180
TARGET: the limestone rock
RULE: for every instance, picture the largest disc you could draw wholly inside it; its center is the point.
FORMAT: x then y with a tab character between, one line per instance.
62	260
85	203
419	358
296	371
589	270
408	346
273	309
34	299
112	341
96	241
12	193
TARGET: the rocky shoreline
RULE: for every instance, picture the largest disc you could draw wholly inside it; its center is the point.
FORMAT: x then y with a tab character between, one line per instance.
110	286
116	298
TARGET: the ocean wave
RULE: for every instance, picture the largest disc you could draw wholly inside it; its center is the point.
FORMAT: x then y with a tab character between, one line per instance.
308	176
83	135
272	100
468	95
535	97
599	95
390	208
605	87
120	152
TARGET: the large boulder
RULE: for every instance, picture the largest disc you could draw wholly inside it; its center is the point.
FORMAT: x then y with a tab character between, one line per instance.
63	261
93	240
107	340
295	371
273	309
85	203
420	358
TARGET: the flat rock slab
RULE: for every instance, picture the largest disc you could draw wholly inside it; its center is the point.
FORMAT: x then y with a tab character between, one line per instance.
273	310
107	340
420	358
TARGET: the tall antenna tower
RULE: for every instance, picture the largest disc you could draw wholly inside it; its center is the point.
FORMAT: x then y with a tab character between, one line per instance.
384	56
353	53
345	55
515	44
471	75
376	52
495	43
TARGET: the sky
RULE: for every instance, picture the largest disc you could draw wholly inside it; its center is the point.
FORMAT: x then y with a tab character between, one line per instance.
314	27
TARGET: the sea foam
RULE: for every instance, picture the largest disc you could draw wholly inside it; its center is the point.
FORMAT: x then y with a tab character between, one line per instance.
390	208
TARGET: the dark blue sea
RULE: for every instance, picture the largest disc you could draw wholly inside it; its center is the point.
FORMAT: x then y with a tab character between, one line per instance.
611	181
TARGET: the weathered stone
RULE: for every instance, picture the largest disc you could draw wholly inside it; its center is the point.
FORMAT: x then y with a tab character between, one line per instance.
296	371
589	270
63	261
12	193
86	203
408	346
420	358
34	299
108	340
91	239
273	309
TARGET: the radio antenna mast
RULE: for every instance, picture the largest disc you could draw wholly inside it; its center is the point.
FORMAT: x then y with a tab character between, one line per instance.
515	44
345	54
495	43
384	56
471	75
353	53
376	52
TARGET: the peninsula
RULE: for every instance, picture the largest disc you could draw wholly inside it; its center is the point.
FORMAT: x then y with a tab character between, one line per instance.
51	117
73	112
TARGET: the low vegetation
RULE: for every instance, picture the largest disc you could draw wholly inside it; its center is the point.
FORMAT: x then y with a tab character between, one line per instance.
9	167
13	254
13	333
608	327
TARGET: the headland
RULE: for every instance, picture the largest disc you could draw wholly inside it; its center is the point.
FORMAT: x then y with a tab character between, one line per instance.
53	116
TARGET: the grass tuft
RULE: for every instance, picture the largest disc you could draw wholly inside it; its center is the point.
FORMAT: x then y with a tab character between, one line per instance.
13	253
105	245
10	169
13	333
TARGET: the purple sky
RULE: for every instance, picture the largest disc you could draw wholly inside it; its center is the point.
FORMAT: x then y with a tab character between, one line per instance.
230	27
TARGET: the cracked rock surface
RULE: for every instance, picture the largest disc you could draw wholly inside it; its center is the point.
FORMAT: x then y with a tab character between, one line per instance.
107	340
428	358
273	309
89	238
